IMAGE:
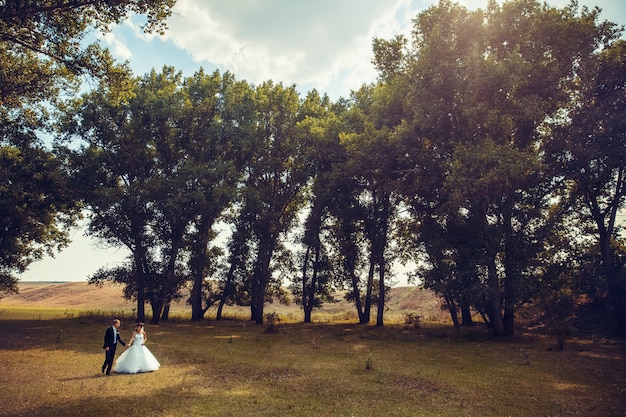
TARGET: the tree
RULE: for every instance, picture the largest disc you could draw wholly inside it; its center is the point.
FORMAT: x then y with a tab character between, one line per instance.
274	183
374	155
44	53
165	160
348	242
217	122
320	128
590	149
116	159
171	187
482	86
36	204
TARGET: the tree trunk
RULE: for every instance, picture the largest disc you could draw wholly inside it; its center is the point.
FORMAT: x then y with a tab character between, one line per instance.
228	288
141	295
261	280
367	308
165	316
606	229
140	274
381	297
453	311
381	246
200	255
197	312
497	322
170	273
141	306
466	315
306	303
509	320
312	287
356	294
157	308
617	292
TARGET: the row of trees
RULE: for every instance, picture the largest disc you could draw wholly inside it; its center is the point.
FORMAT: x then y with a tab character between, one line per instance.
490	153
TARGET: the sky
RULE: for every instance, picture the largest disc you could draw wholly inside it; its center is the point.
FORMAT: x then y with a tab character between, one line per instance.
324	45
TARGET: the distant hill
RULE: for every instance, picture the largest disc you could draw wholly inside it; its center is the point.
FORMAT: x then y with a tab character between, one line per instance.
80	295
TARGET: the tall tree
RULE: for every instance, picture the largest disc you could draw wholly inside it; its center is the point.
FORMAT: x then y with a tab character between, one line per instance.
274	182
373	158
218	119
481	87
159	106
591	149
108	150
36	203
43	52
170	148
320	127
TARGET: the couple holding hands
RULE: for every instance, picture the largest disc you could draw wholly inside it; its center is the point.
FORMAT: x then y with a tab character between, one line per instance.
137	358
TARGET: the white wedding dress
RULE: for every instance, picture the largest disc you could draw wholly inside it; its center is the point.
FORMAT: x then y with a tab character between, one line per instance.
136	358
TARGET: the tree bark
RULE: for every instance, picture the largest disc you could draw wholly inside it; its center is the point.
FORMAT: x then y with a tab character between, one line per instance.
260	281
200	249
497	322
380	246
466	315
617	293
453	311
308	291
140	274
228	288
367	308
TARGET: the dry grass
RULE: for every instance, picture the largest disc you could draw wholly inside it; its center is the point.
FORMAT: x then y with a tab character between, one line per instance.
84	299
50	359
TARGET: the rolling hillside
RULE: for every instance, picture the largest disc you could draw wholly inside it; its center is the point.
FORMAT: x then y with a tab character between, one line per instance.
82	296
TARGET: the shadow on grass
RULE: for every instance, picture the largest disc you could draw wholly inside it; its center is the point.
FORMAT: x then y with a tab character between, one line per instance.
235	368
157	403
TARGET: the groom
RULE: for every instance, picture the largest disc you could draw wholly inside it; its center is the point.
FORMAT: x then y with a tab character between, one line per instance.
111	337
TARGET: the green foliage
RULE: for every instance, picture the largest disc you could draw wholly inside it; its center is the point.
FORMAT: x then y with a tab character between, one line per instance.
482	88
43	53
561	331
166	160
590	151
274	186
489	152
272	320
36	206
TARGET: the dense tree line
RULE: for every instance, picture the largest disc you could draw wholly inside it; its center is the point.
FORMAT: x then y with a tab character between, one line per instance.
490	152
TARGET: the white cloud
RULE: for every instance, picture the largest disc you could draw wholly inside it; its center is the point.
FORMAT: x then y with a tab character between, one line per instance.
326	44
117	47
306	43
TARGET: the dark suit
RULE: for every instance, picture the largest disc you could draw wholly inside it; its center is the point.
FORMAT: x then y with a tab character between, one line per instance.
110	342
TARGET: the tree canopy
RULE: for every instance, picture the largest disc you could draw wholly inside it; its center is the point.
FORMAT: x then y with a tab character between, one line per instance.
43	53
487	138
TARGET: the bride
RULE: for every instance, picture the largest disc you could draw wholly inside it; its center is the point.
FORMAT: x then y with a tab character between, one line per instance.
137	358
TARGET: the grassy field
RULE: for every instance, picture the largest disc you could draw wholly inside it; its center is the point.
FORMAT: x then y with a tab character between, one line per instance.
50	360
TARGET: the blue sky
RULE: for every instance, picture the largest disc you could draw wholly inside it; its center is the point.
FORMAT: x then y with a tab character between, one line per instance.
322	44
